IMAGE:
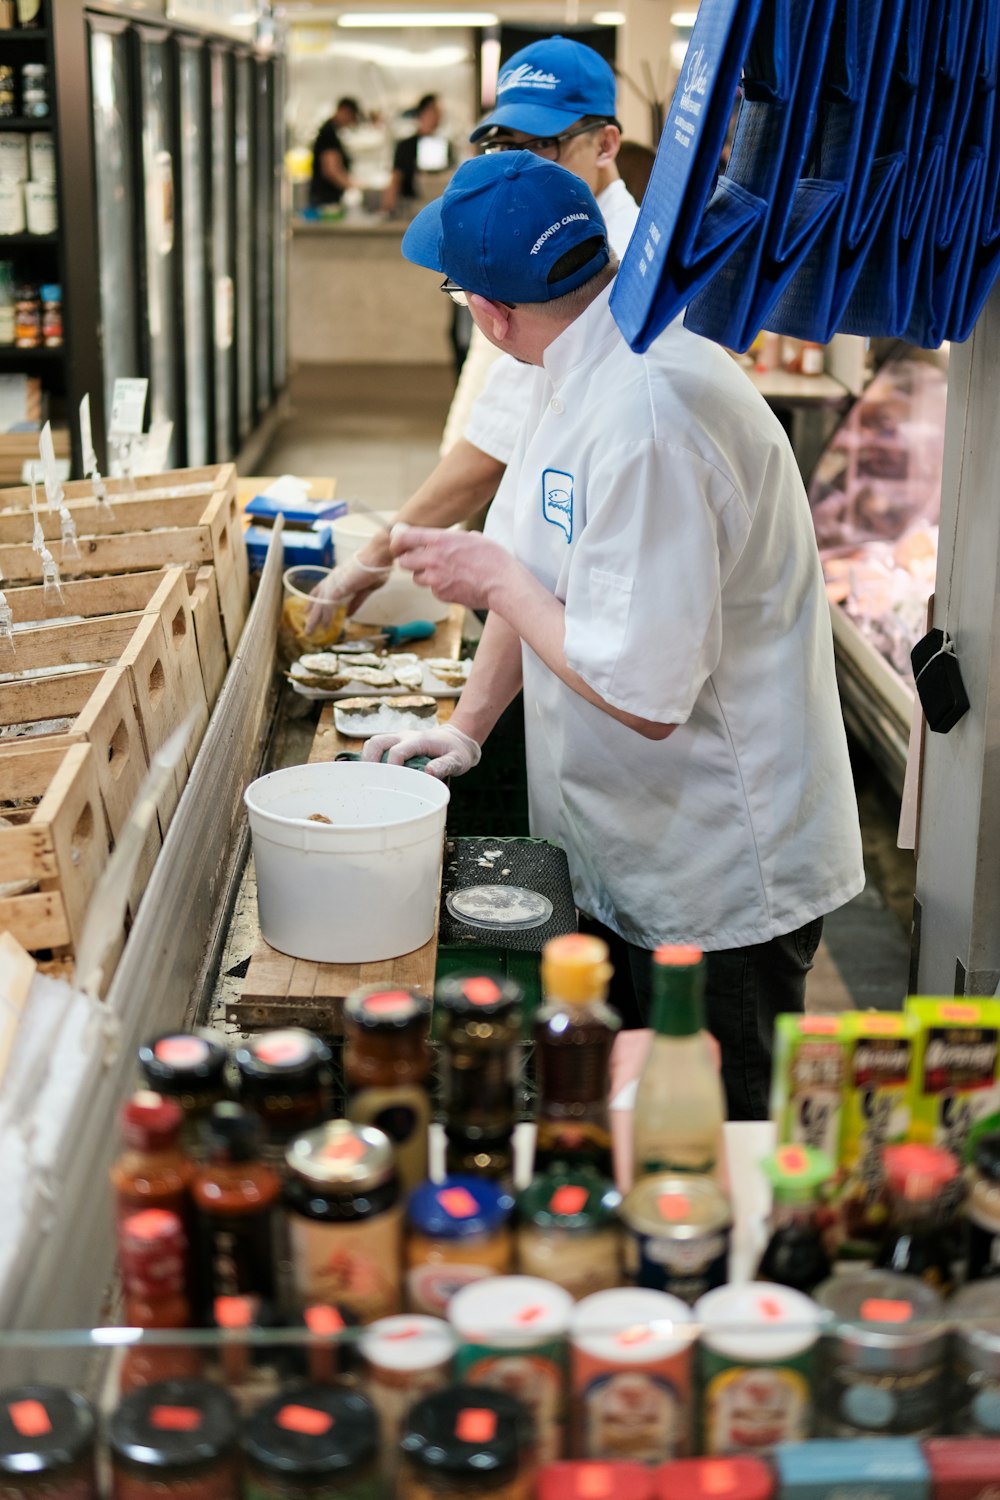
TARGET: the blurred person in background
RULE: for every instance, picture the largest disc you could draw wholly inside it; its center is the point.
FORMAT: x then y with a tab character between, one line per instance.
402	184
331	169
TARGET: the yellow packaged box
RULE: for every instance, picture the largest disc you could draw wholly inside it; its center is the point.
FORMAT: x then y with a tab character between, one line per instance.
954	1084
810	1069
877	1102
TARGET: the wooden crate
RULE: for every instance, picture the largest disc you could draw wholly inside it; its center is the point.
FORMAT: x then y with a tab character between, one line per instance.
195	526
70	644
171	485
60	843
207	616
172	606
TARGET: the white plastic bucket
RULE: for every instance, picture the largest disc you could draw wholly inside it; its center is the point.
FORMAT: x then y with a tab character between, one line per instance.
362	887
399	600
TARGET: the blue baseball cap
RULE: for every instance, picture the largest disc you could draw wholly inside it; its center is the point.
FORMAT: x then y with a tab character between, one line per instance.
545	87
502	224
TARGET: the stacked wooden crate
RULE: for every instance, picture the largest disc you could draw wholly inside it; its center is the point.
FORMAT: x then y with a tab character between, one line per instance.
151	609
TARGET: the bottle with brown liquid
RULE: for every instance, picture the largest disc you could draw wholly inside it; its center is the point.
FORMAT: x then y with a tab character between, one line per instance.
152	1171
387	1060
152	1257
480	1029
235	1196
574	1030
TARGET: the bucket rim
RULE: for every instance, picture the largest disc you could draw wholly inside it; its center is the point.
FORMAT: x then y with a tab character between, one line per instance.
430	810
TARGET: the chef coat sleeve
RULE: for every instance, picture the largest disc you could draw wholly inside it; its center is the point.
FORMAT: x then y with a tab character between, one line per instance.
644	592
499	413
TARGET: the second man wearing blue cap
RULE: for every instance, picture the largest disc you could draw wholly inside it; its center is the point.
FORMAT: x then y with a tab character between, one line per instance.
651	575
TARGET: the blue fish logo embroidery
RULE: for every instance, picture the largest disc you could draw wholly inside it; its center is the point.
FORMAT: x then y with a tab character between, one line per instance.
557	500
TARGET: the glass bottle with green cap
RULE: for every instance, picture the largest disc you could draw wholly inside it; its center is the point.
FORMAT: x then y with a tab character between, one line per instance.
796	1255
679	1107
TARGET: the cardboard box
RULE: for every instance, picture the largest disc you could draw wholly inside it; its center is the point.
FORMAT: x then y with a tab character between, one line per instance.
811	1055
954	1084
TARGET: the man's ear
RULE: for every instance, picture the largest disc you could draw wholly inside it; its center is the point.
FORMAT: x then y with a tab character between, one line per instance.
608	143
495	315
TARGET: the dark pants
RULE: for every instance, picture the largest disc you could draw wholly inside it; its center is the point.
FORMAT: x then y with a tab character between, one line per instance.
745	988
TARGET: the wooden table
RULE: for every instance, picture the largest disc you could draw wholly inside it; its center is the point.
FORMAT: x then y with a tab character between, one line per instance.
283	991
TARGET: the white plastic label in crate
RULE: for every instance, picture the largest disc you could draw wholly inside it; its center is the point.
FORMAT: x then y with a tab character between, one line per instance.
50	474
128	408
87	437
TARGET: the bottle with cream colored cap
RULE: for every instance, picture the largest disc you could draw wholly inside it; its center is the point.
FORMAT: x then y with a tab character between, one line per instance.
574	1030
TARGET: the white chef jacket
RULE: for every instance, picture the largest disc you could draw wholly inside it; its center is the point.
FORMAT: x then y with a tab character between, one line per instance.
657	496
500	385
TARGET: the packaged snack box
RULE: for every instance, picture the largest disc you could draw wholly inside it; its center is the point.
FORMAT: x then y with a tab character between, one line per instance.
811	1055
877	1088
954	1083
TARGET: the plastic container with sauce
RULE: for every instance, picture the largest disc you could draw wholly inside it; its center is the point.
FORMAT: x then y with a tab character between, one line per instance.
189	1069
882	1362
175	1440
286	1078
467	1442
568	1230
345	1219
459	1232
387	1061
403	1359
574	1030
595	1481
480	1033
677	1233
512	1336
152	1170
974	1314
756	1362
310	1442
630	1376
740	1477
46	1444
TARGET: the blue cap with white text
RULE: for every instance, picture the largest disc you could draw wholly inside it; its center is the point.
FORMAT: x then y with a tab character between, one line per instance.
547	86
503	225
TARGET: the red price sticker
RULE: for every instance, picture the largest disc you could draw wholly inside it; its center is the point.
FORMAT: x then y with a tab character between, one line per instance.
304	1419
481	991
595	1481
30	1418
819	1025
568	1199
770	1310
476	1424
398	1334
718	1477
886	1310
964	1013
281	1047
458	1203
639	1333
530	1314
678	955
389	1003
324	1320
673	1207
347	1148
181	1051
152	1224
793	1160
233	1312
175	1418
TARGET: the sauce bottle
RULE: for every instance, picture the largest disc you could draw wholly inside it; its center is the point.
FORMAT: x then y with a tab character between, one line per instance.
574	1030
152	1171
922	1182
189	1069
387	1061
286	1079
235	1195
795	1255
152	1257
679	1107
480	1062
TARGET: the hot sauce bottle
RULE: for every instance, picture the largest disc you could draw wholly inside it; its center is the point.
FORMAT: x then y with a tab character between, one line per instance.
190	1069
574	1031
235	1196
480	1031
152	1257
152	1171
387	1060
286	1079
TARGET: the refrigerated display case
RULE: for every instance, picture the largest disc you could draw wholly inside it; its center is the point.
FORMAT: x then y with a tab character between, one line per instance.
162	322
243	186
222	253
192	93
279	298
263	226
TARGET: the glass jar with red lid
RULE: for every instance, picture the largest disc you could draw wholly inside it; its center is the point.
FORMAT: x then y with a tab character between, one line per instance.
924	1188
480	1032
190	1069
286	1079
175	1440
47	1440
387	1060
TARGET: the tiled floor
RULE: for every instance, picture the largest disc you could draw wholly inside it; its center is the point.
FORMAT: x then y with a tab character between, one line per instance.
376	429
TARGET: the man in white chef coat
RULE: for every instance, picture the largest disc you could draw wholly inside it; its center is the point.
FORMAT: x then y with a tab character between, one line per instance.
651	575
556	98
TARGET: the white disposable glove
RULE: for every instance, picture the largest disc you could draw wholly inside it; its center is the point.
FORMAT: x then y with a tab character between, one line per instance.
348	583
451	752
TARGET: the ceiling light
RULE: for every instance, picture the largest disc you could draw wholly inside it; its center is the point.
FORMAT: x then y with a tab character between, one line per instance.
684	18
609	18
403	18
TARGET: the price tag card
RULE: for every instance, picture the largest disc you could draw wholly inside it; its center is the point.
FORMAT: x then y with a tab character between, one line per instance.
87	437
128	409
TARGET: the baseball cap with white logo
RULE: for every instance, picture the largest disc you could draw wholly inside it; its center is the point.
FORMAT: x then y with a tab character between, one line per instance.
503	224
548	85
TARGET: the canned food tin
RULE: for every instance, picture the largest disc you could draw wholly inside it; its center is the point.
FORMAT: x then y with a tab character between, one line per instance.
630	1364
677	1235
755	1366
974	1313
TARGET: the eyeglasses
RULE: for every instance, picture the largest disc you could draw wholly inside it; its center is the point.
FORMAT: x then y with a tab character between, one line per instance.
547	146
454	291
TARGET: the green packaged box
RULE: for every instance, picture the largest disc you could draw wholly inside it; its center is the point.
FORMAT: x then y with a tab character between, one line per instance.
877	1088
954	1083
810	1069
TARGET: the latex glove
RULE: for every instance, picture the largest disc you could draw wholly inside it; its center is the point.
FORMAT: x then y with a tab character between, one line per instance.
461	567
348	583
451	752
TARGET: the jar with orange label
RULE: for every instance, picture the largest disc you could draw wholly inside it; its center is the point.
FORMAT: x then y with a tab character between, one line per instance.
630	1375
459	1232
345	1219
387	1060
568	1231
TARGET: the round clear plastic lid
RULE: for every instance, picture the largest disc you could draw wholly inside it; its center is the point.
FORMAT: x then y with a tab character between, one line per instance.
509	906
